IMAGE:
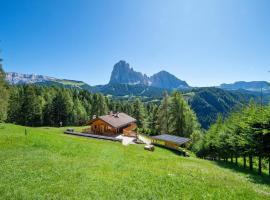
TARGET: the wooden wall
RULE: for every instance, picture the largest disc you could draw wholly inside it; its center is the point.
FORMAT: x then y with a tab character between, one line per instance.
100	127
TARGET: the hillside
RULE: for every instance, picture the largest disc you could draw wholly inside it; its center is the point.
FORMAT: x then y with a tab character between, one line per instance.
121	90
207	103
46	164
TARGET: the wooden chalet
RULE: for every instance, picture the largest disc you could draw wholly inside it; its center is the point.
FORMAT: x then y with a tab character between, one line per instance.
113	124
170	141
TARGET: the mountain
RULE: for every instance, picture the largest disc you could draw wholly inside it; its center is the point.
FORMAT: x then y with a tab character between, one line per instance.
259	89
166	80
255	86
17	78
123	74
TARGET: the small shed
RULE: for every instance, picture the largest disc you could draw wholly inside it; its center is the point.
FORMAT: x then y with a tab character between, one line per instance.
170	141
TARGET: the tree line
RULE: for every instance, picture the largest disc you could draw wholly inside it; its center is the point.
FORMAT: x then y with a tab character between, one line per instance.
244	135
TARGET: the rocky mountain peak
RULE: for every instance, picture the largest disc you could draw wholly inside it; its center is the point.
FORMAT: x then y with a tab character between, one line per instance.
164	79
124	74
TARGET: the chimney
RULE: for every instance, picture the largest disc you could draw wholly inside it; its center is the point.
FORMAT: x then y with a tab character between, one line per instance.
94	116
117	114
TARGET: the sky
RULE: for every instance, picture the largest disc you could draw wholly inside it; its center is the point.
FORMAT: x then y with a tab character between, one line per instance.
205	42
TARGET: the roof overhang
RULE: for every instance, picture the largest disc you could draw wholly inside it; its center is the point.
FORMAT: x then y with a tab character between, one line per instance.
122	125
171	138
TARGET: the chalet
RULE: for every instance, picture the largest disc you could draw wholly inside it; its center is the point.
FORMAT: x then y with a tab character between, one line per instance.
113	124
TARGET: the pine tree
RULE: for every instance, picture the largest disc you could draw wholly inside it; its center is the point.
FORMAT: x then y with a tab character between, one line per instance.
14	107
48	117
79	113
99	105
178	113
4	95
152	116
183	121
31	110
62	108
163	115
102	105
139	113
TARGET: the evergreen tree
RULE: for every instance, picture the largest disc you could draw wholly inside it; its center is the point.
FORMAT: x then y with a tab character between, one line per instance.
14	107
79	113
99	105
152	116
163	115
62	108
48	115
177	115
139	113
4	95
102	105
31	110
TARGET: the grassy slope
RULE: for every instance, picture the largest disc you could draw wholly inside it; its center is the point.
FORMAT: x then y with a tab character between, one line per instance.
47	164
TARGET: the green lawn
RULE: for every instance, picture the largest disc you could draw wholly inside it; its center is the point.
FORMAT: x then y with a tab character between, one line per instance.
47	164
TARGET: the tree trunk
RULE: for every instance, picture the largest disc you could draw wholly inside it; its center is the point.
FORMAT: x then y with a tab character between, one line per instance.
245	162
260	165
269	164
231	159
250	162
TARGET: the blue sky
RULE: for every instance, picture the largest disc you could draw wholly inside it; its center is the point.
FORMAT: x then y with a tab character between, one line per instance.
203	42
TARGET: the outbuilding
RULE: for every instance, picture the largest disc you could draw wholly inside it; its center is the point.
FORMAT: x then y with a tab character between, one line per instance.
170	141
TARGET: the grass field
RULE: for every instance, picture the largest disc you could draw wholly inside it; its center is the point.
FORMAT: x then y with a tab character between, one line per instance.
47	164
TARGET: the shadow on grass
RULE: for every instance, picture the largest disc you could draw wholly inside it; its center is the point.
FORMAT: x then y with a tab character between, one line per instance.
252	175
176	152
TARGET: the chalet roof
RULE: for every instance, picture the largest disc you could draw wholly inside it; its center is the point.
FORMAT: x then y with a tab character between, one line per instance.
117	120
171	138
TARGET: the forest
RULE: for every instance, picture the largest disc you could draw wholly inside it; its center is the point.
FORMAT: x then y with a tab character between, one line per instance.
241	137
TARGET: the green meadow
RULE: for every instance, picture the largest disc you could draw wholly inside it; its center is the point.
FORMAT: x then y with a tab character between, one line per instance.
44	163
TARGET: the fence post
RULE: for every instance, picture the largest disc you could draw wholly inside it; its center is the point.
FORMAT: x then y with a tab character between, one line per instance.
269	164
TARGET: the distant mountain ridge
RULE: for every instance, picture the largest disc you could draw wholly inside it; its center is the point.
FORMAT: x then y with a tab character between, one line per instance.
123	74
255	86
17	78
